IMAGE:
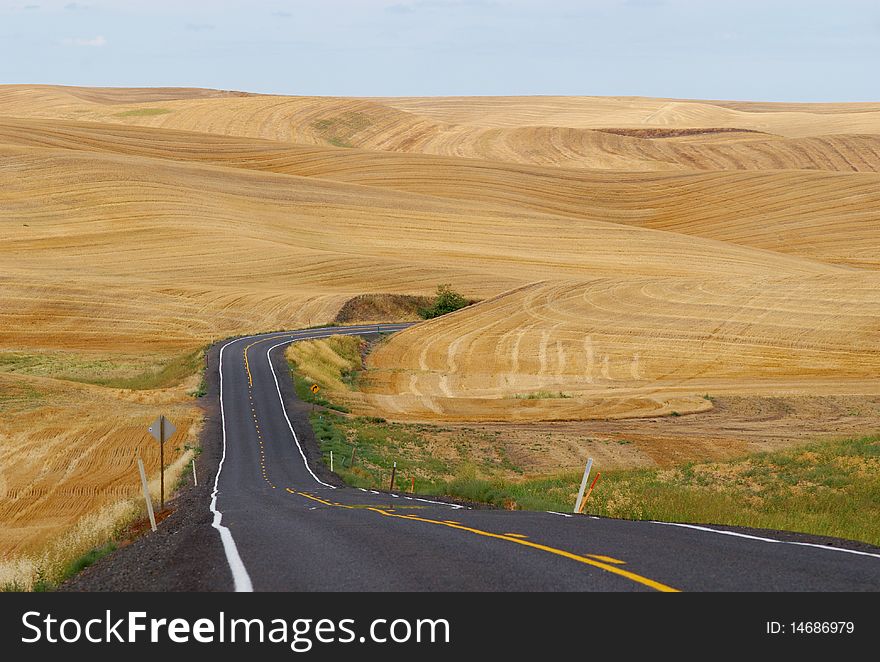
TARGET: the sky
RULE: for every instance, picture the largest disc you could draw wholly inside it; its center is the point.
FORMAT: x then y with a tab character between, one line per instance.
772	50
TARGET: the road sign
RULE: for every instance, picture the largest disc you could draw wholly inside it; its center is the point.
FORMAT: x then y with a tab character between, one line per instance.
315	388
161	430
156	429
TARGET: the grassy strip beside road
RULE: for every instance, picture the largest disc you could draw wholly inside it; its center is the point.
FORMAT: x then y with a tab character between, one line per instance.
830	488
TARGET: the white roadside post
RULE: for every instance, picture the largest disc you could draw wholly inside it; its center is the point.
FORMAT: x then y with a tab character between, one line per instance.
195	477
583	485
331	461
147	494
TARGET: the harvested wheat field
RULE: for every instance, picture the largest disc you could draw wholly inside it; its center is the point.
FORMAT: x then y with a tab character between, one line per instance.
635	258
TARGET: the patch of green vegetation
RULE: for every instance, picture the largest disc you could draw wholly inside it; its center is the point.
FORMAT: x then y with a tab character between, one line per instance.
42	582
829	488
201	390
541	395
80	563
340	129
365	448
674	413
349	377
18	396
128	372
446	301
333	363
173	372
144	112
303	387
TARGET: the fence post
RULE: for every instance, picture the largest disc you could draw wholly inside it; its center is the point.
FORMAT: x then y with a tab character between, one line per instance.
147	494
589	492
584	480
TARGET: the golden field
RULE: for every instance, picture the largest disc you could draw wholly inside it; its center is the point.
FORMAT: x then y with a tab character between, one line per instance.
632	255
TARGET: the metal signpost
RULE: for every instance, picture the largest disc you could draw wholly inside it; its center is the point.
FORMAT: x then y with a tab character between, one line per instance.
162	430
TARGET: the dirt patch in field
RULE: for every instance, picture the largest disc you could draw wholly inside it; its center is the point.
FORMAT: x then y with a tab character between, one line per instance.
734	427
381	308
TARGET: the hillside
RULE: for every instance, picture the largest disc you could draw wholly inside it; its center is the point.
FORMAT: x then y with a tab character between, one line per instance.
632	257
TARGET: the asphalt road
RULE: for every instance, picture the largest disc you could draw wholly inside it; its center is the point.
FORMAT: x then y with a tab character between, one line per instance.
287	524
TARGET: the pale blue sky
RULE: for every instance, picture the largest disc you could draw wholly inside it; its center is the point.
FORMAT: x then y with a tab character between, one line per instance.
785	50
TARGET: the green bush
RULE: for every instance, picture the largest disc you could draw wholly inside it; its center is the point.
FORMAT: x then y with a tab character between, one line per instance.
446	301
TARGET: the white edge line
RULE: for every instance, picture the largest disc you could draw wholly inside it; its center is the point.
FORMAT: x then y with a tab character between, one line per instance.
330	331
327	332
438	503
783	542
553	512
241	579
286	418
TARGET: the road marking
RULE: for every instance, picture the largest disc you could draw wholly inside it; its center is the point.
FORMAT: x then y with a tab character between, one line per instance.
523	536
287	418
519	541
553	512
240	578
607	559
759	538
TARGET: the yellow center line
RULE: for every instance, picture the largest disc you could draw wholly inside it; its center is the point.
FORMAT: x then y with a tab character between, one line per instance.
519	541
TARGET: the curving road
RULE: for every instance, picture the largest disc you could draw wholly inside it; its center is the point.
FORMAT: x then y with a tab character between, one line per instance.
287	524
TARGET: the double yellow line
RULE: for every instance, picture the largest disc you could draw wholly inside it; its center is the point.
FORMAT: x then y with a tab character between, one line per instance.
509	538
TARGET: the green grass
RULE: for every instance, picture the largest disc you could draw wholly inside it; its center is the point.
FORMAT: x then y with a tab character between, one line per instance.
378	443
339	130
541	395
144	112
828	488
42	583
176	370
18	397
80	563
302	386
201	390
126	372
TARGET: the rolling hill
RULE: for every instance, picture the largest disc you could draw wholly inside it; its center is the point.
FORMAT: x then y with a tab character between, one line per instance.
632	257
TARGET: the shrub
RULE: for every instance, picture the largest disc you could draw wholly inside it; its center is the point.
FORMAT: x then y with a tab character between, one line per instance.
446	301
